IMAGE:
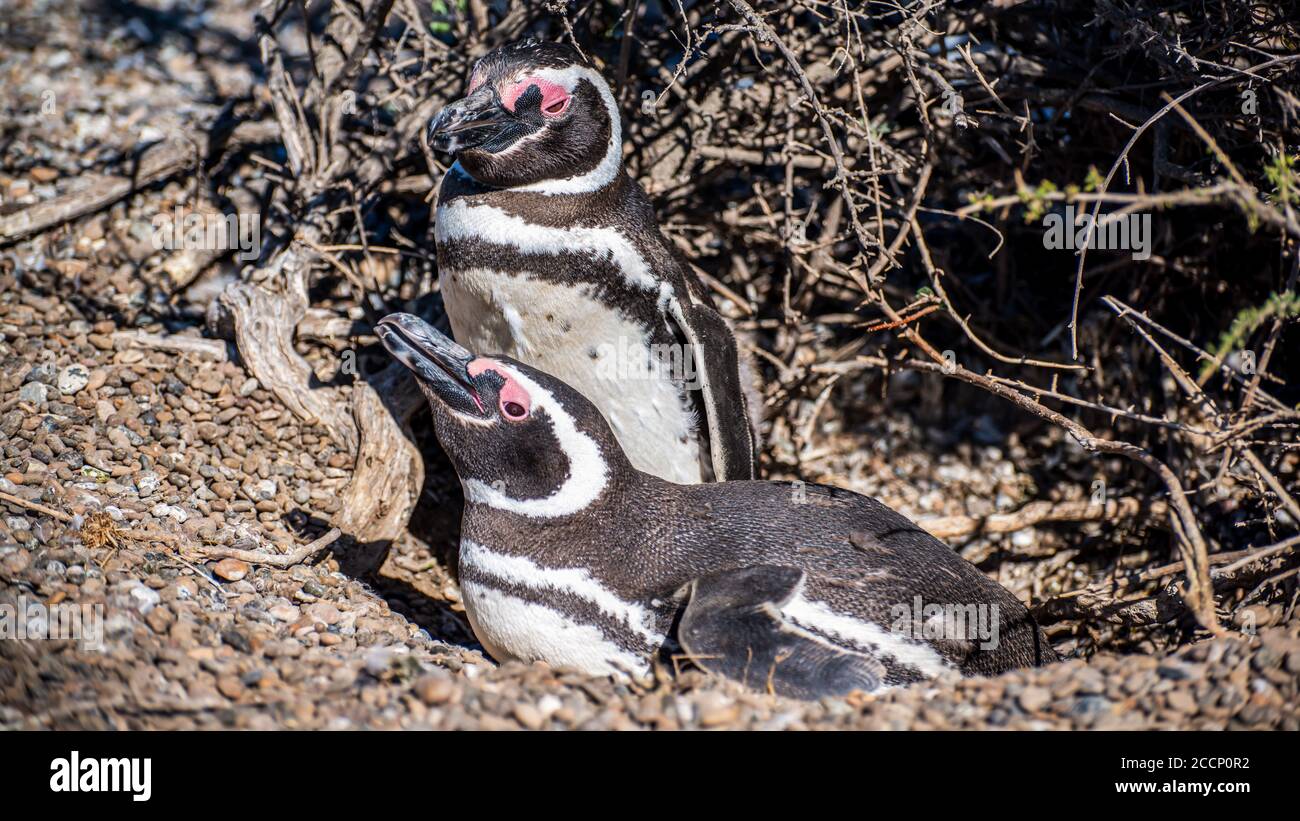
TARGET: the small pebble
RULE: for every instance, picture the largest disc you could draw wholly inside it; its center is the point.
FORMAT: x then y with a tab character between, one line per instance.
73	379
37	393
528	715
232	570
1033	699
434	688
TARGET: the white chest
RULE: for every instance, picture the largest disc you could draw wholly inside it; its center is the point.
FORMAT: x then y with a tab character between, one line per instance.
511	627
571	335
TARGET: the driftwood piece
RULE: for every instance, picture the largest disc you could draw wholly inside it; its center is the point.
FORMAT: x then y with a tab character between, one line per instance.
211	350
330	169
955	527
184	265
1099	603
322	324
389	473
157	162
281	560
264	325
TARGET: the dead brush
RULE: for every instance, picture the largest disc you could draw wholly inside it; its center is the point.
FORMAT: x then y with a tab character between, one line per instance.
99	531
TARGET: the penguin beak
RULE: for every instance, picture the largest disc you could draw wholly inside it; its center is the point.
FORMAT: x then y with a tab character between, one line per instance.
440	365
468	122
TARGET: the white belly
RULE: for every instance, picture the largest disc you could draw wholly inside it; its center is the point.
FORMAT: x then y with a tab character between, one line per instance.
512	629
576	338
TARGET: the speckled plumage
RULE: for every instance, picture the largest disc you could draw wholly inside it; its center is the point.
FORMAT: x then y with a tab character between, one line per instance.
576	558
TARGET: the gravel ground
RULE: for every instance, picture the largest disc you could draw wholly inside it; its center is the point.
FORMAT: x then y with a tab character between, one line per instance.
91	425
95	428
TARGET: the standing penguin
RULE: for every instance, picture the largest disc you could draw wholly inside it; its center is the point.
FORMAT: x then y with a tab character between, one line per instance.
550	253
572	556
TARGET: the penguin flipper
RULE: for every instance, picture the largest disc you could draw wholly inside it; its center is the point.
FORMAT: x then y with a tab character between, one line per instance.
733	626
732	444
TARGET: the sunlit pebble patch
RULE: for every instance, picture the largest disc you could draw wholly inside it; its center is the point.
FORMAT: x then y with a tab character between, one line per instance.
324	651
121	434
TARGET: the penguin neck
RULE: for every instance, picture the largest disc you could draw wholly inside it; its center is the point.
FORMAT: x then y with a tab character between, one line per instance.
628	512
543	208
597	471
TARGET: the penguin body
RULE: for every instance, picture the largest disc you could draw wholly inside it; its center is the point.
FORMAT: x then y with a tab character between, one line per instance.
572	556
549	253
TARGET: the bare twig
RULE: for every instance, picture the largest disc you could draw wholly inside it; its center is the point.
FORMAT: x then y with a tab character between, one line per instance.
296	556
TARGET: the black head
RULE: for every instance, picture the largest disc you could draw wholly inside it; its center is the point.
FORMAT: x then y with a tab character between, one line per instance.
520	439
537	117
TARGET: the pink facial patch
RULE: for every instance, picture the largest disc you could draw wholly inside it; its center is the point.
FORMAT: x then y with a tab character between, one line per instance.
475	80
555	99
511	392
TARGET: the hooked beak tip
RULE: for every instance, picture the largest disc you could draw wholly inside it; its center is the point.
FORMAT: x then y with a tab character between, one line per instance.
437	362
466	123
436	126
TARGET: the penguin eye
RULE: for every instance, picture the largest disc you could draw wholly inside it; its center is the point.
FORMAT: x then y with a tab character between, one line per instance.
513	410
556	107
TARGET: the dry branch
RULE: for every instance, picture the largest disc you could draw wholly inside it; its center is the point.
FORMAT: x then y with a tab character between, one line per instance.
281	560
212	350
1035	513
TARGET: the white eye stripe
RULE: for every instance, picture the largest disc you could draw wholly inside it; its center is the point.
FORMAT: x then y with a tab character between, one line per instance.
604	173
588	472
566	78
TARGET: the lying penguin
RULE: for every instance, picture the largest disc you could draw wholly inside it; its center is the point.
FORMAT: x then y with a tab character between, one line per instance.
571	556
